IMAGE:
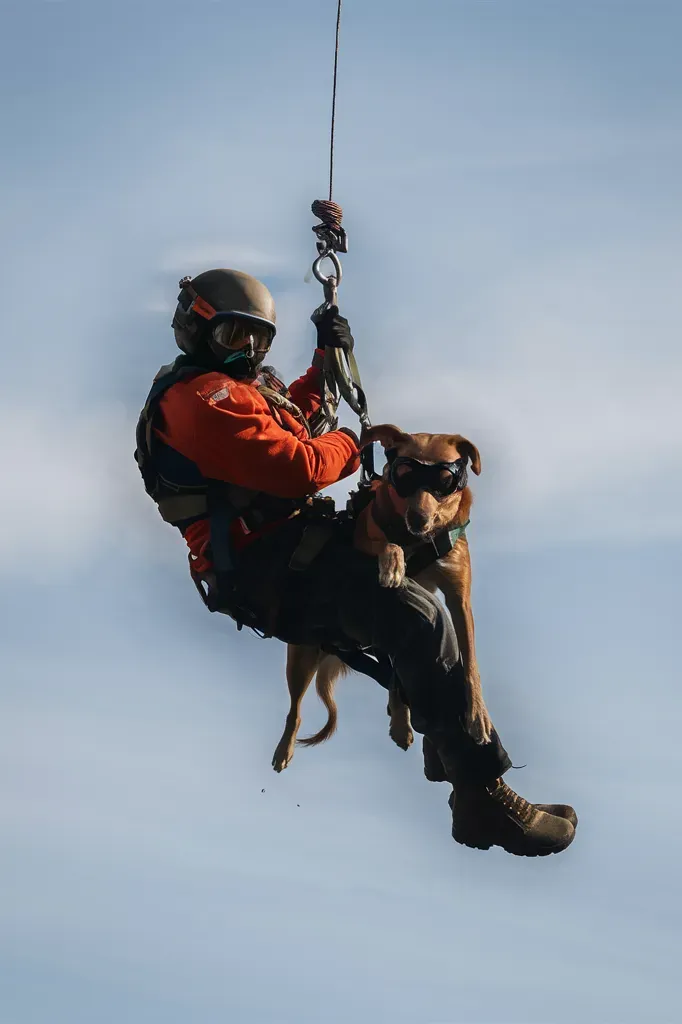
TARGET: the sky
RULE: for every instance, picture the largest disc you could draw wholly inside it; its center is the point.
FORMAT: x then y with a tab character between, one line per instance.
510	174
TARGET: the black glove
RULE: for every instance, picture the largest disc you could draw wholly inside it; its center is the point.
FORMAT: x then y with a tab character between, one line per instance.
333	330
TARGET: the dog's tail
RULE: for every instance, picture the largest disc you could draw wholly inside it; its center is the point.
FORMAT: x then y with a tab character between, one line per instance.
329	670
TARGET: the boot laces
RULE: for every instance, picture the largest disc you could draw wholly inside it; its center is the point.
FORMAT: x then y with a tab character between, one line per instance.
512	802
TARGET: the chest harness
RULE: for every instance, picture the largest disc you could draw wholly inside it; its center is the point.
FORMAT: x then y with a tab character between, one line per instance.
184	495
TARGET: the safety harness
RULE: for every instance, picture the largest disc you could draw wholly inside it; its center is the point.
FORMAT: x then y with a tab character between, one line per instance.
185	496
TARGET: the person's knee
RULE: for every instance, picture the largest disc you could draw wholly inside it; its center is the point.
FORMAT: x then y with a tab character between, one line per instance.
419	606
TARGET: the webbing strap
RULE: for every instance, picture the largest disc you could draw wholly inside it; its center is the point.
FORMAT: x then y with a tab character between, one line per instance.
273	397
344	381
178	507
221	514
371	663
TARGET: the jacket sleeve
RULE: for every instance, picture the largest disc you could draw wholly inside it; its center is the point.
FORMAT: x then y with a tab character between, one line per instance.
227	429
306	392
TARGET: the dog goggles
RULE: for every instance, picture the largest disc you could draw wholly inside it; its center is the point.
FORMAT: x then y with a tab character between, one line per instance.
441	479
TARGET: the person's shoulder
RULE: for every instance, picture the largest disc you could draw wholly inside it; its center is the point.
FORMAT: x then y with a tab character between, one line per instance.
217	389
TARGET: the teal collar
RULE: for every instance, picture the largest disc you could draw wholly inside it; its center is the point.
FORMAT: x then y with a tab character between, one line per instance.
457	532
438	547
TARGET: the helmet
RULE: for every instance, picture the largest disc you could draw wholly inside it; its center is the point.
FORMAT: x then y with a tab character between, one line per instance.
215	296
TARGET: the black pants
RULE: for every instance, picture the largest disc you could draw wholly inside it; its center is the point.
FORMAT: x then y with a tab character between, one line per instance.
338	599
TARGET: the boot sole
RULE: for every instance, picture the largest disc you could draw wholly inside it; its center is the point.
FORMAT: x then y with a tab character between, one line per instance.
518	852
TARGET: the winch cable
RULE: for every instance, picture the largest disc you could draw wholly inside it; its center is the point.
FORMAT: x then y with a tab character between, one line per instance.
340	371
333	124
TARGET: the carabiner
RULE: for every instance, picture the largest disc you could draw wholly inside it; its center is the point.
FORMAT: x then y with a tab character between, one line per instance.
331	282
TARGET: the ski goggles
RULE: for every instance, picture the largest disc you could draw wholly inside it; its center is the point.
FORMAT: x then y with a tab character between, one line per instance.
440	479
236	336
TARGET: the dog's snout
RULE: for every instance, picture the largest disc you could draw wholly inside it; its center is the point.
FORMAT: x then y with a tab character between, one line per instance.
417	521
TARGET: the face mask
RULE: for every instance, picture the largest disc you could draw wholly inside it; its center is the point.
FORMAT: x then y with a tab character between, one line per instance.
441	479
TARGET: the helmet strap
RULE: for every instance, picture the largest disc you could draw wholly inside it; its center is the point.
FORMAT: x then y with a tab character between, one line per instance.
192	302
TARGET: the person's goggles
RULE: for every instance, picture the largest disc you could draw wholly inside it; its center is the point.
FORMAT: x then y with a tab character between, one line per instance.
238	335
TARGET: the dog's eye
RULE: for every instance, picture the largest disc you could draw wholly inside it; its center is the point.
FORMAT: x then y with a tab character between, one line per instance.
402	470
445	481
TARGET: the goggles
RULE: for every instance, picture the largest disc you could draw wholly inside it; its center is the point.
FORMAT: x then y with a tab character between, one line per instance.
236	334
440	479
241	346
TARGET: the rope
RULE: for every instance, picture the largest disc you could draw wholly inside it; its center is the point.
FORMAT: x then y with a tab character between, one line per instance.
329	213
341	374
333	127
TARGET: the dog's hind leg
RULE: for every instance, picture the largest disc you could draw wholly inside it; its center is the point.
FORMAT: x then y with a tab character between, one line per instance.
330	669
302	662
400	728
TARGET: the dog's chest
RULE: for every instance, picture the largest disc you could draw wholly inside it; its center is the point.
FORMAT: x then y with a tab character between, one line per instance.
391	520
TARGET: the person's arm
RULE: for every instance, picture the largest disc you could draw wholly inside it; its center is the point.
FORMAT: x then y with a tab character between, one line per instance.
333	330
306	391
227	429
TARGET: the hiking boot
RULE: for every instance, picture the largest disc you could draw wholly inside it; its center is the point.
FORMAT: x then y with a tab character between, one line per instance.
435	772
560	811
494	815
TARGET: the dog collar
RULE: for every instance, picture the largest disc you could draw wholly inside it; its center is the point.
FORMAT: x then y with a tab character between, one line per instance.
438	547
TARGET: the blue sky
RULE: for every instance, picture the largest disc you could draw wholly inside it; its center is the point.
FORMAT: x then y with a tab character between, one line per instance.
510	174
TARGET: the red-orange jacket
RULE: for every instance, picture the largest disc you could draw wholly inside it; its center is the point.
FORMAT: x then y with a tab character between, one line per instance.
227	428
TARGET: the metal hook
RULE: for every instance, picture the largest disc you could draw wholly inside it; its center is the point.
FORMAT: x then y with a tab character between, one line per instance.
329	282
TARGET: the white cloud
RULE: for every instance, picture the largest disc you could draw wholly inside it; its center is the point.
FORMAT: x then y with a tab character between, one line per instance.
568	378
197	256
72	489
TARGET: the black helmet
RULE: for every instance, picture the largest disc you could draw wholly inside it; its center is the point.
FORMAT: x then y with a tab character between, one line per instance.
214	297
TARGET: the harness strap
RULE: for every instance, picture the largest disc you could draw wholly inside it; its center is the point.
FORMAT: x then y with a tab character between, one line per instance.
316	535
275	398
342	381
368	661
177	508
221	514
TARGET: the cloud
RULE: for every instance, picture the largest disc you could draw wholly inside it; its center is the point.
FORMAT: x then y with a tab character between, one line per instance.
72	490
568	379
192	258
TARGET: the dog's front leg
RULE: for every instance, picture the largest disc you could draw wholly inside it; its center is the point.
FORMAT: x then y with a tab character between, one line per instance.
391	566
302	664
454	579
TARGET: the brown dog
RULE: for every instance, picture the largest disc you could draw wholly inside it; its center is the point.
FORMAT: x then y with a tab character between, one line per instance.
393	527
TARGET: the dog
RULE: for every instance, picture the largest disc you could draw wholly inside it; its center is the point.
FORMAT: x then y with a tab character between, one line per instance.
400	519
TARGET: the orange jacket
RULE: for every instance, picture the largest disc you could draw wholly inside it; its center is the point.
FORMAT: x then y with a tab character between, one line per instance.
227	428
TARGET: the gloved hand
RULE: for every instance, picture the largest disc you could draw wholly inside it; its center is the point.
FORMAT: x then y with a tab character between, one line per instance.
333	330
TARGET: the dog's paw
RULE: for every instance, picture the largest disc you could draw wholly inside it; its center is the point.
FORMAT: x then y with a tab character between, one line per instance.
478	723
400	728
392	566
401	734
283	755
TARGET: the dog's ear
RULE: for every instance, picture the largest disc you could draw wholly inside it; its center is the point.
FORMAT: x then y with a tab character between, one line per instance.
389	436
469	451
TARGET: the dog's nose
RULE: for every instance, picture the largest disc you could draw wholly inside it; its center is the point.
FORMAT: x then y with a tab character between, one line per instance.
417	522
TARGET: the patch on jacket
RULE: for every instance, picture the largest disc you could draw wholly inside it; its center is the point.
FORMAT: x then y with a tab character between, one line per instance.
218	392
